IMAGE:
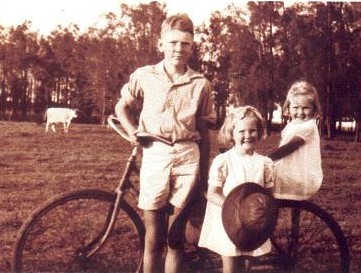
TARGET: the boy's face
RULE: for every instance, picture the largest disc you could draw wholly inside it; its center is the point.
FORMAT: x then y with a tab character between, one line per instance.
177	47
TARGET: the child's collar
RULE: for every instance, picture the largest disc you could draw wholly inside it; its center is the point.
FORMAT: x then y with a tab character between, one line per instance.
188	75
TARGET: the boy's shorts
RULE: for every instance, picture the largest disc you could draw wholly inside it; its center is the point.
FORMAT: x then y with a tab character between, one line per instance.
168	174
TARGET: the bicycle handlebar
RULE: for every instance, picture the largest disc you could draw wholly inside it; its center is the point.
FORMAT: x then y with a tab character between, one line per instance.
144	137
117	129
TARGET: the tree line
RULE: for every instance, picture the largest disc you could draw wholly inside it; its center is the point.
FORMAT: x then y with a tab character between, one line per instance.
255	54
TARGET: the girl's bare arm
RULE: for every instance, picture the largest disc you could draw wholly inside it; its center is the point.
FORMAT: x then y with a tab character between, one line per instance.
215	195
287	149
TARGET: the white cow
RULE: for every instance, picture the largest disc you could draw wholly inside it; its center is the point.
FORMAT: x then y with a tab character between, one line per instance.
59	115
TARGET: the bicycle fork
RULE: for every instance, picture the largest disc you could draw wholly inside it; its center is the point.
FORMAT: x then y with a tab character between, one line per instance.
113	211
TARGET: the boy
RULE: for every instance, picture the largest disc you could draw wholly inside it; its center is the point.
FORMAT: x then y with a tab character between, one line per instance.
176	105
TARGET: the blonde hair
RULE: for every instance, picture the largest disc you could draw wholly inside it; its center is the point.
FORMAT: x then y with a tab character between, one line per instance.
303	88
179	21
225	135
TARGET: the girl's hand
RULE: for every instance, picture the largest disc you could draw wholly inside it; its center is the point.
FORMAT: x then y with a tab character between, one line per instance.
215	195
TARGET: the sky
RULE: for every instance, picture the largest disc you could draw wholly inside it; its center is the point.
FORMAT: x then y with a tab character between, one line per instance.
46	15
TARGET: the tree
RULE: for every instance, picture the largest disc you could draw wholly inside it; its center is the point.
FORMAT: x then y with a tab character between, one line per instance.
264	20
20	56
227	47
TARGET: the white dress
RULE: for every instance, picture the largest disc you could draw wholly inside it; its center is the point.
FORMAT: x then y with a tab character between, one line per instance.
299	175
227	171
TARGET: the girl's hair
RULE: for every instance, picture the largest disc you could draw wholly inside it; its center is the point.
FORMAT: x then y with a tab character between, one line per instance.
225	135
303	88
179	21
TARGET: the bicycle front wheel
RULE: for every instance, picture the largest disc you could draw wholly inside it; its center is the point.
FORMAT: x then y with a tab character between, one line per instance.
309	239
55	237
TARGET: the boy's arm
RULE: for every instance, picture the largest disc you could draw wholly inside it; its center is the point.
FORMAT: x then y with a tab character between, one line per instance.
122	110
205	119
204	149
287	149
207	113
212	122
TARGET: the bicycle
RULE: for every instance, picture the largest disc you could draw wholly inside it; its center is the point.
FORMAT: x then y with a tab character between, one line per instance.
94	230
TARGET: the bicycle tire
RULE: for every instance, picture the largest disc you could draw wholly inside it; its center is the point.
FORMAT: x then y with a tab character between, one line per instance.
319	247
53	235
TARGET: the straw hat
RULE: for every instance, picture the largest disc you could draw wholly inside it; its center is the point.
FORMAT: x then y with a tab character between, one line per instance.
249	216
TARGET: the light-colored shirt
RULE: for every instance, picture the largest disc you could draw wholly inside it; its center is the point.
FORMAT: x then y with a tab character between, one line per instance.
229	170
299	175
170	109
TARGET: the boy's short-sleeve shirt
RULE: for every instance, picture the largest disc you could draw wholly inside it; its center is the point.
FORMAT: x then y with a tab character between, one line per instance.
170	109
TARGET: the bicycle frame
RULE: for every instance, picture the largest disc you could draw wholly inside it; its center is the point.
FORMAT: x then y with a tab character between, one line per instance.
123	186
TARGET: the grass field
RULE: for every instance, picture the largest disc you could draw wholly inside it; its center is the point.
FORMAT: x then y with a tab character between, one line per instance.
35	166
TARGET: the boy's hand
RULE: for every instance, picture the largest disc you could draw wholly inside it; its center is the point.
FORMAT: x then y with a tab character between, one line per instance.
143	141
134	140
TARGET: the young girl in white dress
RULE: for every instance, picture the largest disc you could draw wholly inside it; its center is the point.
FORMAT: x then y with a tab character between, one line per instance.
243	129
298	171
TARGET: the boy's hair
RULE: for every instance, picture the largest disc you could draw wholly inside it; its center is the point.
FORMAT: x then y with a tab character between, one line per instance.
179	21
303	88
225	135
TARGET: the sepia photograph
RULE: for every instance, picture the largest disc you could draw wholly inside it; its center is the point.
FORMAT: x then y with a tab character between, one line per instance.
180	136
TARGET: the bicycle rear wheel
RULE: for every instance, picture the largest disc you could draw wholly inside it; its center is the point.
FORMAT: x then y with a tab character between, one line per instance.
309	240
55	235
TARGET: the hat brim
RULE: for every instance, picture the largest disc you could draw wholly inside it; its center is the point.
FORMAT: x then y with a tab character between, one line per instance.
246	238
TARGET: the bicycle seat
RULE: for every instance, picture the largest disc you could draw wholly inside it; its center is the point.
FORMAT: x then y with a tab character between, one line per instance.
145	137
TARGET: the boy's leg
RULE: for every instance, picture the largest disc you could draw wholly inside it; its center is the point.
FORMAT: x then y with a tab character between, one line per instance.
184	178
173	261
155	239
